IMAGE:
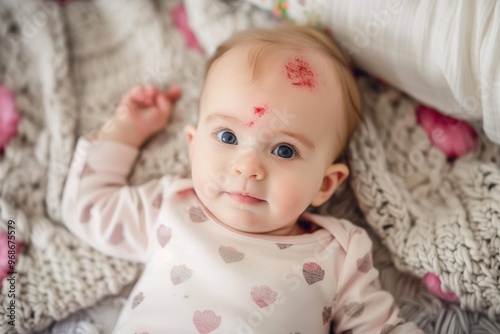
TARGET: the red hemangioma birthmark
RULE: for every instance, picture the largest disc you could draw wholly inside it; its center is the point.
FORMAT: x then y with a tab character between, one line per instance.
299	72
258	112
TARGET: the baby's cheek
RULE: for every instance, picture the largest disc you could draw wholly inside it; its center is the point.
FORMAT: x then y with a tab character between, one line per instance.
208	178
293	198
204	187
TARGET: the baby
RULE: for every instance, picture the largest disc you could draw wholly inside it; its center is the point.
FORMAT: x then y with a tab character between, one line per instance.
232	250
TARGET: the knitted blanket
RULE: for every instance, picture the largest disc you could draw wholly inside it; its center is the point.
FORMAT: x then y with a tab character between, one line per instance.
69	65
434	216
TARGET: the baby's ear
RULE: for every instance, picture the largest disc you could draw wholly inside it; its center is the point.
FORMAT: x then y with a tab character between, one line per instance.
335	174
190	132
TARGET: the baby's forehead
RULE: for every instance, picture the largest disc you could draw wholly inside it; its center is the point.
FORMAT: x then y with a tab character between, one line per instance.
302	78
261	60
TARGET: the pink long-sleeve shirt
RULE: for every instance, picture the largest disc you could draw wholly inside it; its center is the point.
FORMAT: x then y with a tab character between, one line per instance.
202	276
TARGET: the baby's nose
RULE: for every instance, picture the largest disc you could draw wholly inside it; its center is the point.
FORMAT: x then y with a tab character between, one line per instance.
249	165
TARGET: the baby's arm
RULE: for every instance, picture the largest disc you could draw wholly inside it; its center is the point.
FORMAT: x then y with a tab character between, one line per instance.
98	206
361	306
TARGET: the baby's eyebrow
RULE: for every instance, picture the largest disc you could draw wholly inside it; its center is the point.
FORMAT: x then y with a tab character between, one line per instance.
228	118
303	139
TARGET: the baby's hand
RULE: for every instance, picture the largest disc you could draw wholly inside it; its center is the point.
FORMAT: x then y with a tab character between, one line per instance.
142	112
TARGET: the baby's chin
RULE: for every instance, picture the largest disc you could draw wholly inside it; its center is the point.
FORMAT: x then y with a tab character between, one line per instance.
247	221
241	217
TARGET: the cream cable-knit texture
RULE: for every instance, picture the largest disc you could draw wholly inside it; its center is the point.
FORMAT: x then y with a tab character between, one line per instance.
434	216
69	66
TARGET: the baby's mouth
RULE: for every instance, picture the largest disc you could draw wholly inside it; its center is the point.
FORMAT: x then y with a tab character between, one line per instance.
244	198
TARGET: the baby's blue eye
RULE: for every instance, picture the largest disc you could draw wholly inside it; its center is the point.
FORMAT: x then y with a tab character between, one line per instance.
227	137
284	151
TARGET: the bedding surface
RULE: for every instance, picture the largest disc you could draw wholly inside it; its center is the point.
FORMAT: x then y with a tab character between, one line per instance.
68	66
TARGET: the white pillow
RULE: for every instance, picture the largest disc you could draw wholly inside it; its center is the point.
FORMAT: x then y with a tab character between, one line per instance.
445	54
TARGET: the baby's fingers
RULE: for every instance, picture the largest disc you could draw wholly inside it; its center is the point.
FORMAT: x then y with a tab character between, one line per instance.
137	94
163	103
150	94
165	100
142	95
174	92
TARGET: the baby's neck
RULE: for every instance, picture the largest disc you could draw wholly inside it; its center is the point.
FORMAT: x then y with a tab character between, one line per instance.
303	227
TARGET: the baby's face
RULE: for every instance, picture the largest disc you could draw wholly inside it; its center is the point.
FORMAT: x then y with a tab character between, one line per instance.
263	149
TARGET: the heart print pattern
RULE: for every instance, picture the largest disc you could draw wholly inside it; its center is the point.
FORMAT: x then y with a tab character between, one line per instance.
117	235
313	273
365	263
180	274
387	328
206	321
157	201
354	310
263	295
137	300
230	254
163	235
197	215
85	217
327	312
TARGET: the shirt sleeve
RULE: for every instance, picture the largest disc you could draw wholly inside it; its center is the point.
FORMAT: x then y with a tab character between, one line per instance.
360	304
101	209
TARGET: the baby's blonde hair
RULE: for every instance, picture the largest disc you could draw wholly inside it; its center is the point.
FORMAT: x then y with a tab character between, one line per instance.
264	43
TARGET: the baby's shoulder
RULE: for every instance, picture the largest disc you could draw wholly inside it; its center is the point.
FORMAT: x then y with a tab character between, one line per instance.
335	224
341	229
